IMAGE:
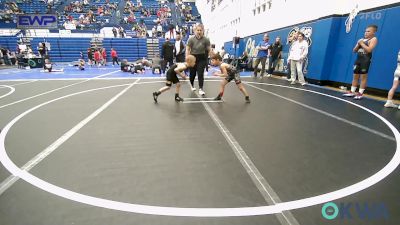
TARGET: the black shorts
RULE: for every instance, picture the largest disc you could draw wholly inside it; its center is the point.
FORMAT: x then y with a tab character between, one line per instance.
171	77
361	65
234	76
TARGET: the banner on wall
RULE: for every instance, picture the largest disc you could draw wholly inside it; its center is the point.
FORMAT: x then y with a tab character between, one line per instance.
37	21
307	31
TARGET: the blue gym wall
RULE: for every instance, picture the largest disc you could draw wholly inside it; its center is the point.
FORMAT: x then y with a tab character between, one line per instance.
330	55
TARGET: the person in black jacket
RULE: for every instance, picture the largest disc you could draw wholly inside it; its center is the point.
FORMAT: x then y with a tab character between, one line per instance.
276	54
42	50
168	53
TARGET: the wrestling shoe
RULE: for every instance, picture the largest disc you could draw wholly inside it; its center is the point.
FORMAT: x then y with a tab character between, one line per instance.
349	94
178	99
358	96
155	96
218	98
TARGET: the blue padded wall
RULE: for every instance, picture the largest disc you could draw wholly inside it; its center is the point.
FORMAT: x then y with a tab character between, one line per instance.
330	55
127	48
64	49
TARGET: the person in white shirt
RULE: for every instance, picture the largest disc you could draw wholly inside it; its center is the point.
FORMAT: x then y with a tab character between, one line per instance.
179	50
159	30
298	53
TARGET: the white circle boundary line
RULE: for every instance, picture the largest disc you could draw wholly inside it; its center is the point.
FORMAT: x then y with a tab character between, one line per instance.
198	212
9	93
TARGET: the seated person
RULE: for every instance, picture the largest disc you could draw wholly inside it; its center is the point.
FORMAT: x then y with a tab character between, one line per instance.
48	67
81	64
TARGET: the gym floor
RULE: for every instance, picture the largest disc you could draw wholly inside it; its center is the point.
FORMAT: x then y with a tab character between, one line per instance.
92	147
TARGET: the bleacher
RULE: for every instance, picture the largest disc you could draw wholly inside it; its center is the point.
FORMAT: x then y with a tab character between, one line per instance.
35	6
9	42
67	49
39	6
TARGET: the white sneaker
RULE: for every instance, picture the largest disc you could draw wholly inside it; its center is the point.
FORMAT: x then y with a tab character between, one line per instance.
268	75
303	84
201	92
193	89
390	104
289	79
293	82
349	94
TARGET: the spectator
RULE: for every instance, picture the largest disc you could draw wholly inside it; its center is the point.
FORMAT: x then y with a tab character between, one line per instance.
291	40
167	53
42	50
298	53
115	32
179	50
114	56
276	53
98	58
121	32
392	91
159	30
104	56
263	52
364	48
222	52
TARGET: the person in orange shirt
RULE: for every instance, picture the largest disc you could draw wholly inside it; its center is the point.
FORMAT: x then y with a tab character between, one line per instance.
104	54
114	56
98	57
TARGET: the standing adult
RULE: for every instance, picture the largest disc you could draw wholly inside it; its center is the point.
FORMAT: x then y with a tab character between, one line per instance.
276	54
115	32
263	52
167	53
179	50
291	40
199	46
114	56
104	56
90	53
298	53
42	50
364	48
121	32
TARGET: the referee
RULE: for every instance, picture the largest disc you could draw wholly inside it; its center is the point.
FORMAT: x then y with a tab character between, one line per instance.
198	46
